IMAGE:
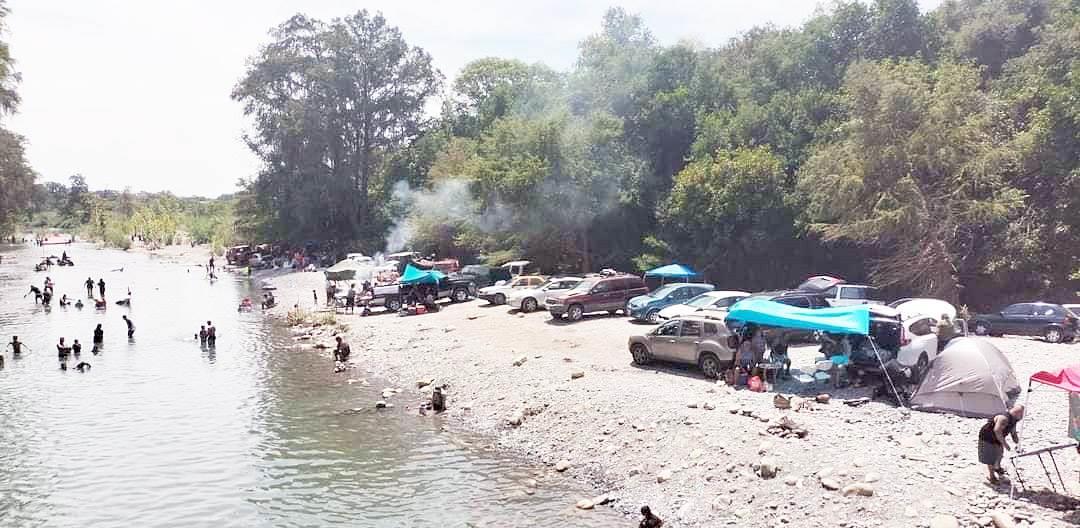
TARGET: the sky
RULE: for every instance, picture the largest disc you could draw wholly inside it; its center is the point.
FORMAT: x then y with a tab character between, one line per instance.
136	93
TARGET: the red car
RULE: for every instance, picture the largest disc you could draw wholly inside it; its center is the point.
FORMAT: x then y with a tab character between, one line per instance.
597	294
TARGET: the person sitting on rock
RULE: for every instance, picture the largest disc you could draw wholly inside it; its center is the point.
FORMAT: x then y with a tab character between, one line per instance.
342	352
648	519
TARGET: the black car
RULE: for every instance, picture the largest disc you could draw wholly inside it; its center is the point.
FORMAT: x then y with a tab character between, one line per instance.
1052	322
481	275
797	298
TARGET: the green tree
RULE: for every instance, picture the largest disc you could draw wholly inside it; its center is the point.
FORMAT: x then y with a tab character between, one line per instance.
916	172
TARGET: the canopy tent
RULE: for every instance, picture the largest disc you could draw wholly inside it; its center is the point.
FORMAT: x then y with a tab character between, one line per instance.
414	275
1067	379
971	377
344	270
840	320
672	271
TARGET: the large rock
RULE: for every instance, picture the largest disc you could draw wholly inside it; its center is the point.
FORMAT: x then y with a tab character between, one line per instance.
830	484
424	382
872	477
584	504
1002	520
516	419
577	374
861	489
562	465
768	467
663	476
944	521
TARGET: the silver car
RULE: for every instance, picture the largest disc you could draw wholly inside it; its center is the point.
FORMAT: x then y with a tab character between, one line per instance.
691	339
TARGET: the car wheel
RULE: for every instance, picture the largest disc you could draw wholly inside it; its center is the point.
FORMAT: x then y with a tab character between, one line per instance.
575	312
982	328
500	298
710	366
1052	335
528	305
460	295
640	353
653	316
921	366
393	304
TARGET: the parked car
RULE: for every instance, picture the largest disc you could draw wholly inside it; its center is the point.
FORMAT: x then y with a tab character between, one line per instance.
1074	308
496	294
913	342
691	339
531	299
819	283
851	295
718	301
596	294
516	267
482	275
647	307
457	290
238	255
1053	322
910	307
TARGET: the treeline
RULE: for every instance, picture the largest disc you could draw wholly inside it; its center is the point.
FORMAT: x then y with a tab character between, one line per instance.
931	153
16	176
118	218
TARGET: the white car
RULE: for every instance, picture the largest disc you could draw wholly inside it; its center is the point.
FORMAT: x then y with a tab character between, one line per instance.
714	300
498	293
528	300
935	308
918	338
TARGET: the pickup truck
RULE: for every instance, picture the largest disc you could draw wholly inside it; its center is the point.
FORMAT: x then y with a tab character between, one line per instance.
851	295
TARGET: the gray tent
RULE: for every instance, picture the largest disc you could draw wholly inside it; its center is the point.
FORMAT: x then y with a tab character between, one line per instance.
971	377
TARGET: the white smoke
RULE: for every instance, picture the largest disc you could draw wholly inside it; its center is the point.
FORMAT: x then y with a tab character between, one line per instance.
451	200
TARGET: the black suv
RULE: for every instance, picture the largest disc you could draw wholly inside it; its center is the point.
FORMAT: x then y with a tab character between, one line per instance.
797	298
1052	322
481	275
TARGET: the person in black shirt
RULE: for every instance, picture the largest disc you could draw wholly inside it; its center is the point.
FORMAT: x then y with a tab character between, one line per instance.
992	443
648	519
130	325
101	287
211	335
99	335
89	288
16	346
342	352
76	348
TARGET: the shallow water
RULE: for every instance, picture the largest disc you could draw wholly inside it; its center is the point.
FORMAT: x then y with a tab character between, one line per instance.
256	433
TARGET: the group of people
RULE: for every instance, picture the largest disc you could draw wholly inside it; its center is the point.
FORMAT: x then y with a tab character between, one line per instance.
207	335
65	351
752	348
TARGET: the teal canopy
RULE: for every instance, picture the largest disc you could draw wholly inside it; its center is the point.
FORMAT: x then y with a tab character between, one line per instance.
841	320
414	275
672	271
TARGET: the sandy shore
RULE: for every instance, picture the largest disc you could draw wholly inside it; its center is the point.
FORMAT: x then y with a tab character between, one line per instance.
686	446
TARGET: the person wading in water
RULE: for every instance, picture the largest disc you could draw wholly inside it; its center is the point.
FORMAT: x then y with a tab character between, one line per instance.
992	443
89	288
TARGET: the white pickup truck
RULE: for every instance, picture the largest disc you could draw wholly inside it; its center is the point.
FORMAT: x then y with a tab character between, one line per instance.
851	295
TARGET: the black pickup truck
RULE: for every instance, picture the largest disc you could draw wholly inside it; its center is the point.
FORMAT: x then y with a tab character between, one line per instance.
481	276
455	289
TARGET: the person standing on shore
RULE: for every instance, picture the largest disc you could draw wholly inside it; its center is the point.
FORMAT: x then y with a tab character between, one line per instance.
89	288
315	296
992	443
211	264
101	286
130	325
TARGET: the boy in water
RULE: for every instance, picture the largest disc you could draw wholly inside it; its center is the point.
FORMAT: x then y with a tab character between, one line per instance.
211	335
76	348
16	346
130	325
202	335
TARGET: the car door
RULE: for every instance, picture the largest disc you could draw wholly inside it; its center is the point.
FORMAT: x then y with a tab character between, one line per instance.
1014	319
665	341
600	296
686	346
1042	315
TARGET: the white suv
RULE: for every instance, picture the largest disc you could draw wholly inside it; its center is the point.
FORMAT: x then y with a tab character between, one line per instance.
530	299
498	293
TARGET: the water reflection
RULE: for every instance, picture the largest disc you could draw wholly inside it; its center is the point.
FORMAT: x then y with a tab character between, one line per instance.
163	432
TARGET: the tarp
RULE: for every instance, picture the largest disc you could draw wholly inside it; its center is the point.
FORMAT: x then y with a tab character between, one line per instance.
840	320
1066	379
971	377
671	271
415	275
344	270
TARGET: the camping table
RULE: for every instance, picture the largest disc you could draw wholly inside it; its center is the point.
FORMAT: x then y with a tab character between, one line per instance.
1049	453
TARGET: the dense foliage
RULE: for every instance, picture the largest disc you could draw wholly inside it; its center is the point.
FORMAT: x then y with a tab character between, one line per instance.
932	153
16	176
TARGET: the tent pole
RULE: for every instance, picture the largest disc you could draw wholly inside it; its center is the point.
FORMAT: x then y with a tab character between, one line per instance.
886	372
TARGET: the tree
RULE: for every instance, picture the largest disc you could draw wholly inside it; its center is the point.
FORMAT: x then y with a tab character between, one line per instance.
915	172
331	101
77	207
16	176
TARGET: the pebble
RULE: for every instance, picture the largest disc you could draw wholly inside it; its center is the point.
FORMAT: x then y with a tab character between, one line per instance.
768	467
577	374
584	504
944	521
791	481
872	477
708	406
380	404
520	361
663	476
1002	520
861	489
516	418
830	484
692	405
562	465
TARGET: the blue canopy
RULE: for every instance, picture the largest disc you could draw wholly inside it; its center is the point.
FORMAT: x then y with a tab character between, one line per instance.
414	275
672	271
840	320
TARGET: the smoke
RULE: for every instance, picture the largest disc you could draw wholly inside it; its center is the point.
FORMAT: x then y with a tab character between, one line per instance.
450	201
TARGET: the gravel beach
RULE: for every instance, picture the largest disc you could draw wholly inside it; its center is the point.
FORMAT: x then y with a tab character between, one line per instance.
567	396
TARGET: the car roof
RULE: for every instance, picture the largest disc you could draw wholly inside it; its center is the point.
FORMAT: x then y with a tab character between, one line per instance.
696	284
725	293
777	294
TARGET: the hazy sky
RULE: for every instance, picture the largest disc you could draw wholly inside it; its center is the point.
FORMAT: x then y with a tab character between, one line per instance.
135	93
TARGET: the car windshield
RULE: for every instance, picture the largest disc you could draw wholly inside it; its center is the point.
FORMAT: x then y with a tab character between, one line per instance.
702	300
664	291
584	285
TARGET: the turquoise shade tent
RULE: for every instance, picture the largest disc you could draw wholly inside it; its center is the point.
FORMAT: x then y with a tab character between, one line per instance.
672	271
840	320
414	275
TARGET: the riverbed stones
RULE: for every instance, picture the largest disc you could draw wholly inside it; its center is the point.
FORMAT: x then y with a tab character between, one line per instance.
768	467
830	484
520	361
861	489
516	418
944	521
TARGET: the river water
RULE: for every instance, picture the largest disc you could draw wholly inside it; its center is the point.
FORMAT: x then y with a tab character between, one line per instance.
160	433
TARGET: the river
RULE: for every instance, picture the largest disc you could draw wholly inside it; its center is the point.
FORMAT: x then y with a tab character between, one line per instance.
259	432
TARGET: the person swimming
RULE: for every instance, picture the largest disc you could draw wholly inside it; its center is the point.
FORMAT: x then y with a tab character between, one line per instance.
79	304
82	366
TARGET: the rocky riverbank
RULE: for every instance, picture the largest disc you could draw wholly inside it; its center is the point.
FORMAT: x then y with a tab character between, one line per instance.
698	452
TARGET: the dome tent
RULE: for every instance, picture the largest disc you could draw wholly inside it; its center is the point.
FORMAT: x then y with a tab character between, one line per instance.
971	377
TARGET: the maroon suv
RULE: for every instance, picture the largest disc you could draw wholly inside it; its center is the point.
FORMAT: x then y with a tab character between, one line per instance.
596	294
